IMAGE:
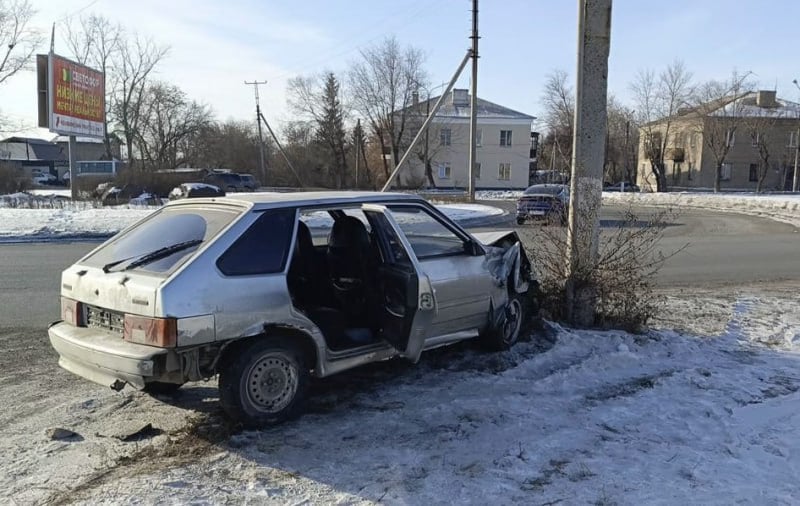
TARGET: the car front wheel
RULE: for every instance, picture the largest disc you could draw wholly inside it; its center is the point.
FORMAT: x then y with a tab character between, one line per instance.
505	331
264	383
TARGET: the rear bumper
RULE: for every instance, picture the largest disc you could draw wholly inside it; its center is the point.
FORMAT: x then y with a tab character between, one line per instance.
103	358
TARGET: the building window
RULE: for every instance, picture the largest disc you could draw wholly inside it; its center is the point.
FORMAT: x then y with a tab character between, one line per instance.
444	170
479	137
689	170
692	140
730	137
792	140
445	137
753	173
477	170
505	137
725	172
504	172
756	136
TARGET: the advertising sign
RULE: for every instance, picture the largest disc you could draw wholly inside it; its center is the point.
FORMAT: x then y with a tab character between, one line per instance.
76	98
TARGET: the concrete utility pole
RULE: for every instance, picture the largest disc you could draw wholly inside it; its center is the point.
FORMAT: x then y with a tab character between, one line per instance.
796	176
583	234
255	85
473	102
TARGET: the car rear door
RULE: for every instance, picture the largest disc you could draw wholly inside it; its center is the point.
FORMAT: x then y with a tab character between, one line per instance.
408	299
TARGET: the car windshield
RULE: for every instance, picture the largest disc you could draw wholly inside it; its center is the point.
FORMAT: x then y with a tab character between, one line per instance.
185	226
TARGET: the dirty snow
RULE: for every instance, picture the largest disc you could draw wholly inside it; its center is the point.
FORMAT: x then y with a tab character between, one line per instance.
569	417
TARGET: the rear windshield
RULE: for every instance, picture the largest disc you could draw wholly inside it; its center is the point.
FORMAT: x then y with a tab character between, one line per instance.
541	190
165	228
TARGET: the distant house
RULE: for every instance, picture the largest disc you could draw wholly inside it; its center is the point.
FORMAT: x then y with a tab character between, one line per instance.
749	125
31	156
506	147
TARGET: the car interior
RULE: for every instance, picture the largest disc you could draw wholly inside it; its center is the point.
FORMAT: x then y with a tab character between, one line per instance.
355	294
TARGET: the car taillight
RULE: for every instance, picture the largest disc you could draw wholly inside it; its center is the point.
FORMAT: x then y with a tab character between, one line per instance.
162	332
71	311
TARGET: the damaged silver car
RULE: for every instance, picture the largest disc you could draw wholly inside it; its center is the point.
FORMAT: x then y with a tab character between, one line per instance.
268	290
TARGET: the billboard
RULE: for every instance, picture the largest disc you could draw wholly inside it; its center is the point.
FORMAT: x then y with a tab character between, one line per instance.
72	97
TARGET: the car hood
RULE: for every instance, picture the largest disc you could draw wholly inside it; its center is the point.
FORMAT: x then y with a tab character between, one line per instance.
490	238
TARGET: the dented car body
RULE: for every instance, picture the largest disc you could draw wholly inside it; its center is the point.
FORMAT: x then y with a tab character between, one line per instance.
267	290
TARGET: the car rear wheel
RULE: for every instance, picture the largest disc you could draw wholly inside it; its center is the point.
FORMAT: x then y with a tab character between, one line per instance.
264	383
520	221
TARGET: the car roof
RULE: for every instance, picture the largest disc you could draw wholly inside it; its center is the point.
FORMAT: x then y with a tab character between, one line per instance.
264	200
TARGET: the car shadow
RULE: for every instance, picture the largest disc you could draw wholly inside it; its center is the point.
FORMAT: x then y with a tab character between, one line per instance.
356	412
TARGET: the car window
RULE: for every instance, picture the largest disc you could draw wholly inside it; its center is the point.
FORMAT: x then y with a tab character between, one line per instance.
428	236
263	248
320	222
164	228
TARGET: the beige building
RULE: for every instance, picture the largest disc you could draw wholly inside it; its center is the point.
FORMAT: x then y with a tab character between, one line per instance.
753	125
504	145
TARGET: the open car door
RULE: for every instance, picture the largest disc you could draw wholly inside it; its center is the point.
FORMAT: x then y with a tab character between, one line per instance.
408	299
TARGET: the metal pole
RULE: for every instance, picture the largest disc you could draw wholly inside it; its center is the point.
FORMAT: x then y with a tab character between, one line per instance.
280	148
255	84
73	167
427	122
796	177
583	233
358	146
473	102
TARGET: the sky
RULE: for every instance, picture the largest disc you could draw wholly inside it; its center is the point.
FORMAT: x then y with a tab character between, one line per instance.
216	46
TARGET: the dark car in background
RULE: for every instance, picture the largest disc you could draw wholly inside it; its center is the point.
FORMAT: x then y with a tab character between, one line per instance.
195	190
228	181
250	182
544	202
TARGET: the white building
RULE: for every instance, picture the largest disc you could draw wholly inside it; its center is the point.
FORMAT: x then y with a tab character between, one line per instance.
505	153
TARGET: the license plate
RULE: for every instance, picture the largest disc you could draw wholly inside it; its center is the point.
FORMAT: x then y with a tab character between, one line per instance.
537	213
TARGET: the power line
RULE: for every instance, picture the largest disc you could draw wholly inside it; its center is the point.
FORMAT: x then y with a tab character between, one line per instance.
67	16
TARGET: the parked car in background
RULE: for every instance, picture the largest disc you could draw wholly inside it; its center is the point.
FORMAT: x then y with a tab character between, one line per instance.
228	181
250	182
268	290
117	195
195	190
544	202
44	179
621	187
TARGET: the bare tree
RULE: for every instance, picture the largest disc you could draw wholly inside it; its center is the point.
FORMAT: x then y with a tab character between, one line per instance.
658	99
95	41
381	86
168	121
135	60
761	129
558	100
18	40
620	139
227	145
720	106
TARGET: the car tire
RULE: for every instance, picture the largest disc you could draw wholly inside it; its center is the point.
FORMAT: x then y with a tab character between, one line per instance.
520	221
161	388
264	383
505	332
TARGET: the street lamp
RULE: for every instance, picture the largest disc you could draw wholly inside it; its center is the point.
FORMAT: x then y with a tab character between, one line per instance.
795	179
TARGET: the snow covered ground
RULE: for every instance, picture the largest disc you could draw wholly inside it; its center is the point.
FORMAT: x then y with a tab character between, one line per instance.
707	415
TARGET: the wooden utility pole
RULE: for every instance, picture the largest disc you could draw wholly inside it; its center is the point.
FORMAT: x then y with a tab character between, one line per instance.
262	168
473	102
583	234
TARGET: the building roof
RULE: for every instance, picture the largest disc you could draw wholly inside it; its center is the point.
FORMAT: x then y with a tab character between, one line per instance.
28	148
459	108
745	106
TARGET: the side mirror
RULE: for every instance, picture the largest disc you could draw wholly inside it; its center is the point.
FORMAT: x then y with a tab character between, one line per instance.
473	248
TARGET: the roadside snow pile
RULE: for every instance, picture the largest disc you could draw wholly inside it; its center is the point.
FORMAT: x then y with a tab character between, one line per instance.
785	208
498	194
573	417
81	220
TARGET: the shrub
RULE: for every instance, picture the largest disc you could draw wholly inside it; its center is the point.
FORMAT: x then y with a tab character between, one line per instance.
623	276
12	180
